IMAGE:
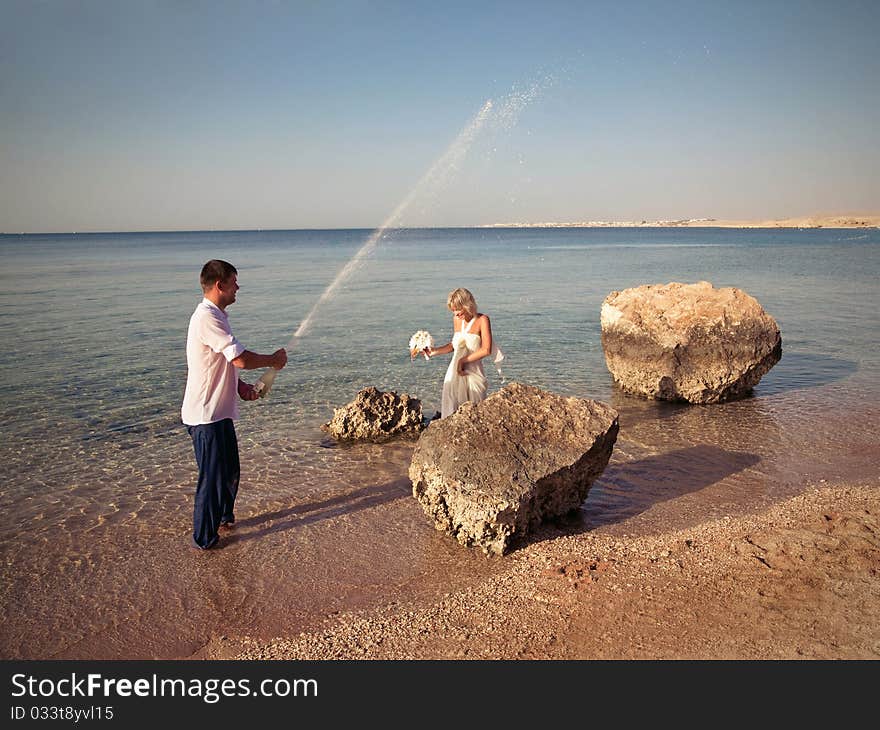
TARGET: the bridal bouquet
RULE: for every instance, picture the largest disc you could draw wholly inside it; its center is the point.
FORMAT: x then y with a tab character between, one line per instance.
420	342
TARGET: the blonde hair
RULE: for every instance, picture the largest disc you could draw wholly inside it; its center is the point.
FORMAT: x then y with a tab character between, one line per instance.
462	299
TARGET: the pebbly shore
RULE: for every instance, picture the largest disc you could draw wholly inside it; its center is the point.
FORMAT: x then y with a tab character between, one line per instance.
799	580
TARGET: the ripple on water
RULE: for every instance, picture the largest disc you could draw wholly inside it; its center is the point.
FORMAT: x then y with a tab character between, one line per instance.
96	503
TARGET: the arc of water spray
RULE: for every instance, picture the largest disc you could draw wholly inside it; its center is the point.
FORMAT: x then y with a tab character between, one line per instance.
502	118
445	164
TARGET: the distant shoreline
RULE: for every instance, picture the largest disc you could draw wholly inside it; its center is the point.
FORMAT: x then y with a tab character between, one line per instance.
828	221
831	221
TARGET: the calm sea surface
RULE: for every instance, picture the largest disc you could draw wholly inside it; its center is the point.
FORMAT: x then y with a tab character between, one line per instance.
98	472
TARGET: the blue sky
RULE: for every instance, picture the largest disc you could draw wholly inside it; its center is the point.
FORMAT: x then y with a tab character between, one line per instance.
220	115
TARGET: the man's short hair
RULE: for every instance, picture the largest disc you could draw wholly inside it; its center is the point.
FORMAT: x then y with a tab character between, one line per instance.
213	271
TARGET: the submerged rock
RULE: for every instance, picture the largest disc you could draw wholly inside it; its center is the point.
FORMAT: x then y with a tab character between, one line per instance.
496	469
688	342
375	415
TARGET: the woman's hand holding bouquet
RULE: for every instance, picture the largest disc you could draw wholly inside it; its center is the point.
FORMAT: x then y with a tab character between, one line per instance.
420	342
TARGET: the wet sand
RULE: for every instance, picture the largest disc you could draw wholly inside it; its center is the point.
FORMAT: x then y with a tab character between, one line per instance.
800	580
334	558
750	531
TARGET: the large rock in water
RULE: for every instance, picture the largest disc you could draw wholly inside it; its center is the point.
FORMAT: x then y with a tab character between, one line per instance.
496	469
375	415
688	342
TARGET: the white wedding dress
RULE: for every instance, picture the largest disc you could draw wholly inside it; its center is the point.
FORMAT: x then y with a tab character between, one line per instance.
471	386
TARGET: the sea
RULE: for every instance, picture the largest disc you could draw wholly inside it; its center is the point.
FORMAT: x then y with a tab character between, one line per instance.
99	473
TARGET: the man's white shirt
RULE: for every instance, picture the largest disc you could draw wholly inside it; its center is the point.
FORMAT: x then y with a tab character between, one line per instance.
212	380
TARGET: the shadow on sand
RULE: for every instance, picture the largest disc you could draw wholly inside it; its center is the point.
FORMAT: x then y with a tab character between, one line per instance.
623	491
306	514
628	489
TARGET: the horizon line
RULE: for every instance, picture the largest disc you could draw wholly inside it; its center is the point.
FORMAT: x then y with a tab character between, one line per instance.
806	221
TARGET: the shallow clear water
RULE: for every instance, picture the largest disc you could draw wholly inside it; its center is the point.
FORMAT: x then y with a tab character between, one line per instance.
99	473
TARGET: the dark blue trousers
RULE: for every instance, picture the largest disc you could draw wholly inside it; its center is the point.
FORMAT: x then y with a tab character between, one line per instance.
216	450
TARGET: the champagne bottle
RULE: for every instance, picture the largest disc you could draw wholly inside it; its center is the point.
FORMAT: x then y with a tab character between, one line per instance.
264	384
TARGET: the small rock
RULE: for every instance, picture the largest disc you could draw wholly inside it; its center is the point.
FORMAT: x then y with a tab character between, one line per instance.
375	415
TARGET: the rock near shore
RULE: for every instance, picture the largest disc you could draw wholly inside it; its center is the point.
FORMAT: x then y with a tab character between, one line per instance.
497	469
688	342
375	415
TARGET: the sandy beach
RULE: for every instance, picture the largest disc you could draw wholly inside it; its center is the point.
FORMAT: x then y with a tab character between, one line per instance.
799	580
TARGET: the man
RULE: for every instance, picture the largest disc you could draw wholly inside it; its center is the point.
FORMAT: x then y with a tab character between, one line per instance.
214	357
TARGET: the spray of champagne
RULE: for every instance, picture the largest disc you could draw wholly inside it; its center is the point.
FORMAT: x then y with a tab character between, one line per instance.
500	116
441	169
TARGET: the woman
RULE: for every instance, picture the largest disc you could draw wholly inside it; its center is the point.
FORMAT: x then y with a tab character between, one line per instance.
471	342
